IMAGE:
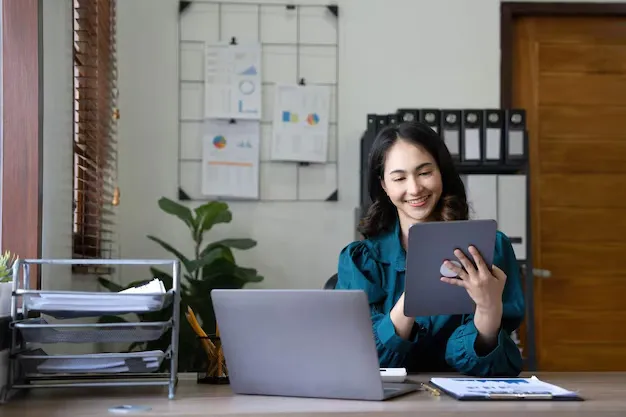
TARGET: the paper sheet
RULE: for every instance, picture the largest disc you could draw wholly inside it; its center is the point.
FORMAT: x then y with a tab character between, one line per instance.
230	158
301	123
141	300
232	81
146	361
464	387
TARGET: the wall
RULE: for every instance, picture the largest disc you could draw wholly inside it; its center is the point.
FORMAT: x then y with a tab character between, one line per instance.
56	234
58	158
298	242
443	53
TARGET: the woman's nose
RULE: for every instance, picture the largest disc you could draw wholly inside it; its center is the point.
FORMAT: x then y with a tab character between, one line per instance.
414	186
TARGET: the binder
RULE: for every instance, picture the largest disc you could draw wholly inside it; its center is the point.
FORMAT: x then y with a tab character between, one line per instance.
451	131
381	122
431	118
392	119
408	115
493	144
512	216
482	196
472	137
515	136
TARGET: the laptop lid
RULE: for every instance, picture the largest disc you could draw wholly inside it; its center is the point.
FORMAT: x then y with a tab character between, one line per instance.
429	245
303	343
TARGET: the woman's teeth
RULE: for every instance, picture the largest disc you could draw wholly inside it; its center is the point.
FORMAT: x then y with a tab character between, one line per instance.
417	202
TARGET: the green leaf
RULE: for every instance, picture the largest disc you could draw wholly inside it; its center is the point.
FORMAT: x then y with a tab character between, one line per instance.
241	244
135	345
218	267
111	319
110	285
210	214
183	259
178	210
210	257
247	274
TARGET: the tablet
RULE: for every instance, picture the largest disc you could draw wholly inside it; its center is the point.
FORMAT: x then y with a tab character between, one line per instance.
431	243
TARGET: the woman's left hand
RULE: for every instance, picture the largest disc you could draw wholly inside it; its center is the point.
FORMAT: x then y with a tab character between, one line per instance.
484	286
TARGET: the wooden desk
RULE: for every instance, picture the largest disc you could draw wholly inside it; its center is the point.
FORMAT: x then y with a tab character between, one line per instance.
605	394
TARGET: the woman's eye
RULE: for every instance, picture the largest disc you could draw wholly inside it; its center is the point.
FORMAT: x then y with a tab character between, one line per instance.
398	179
425	174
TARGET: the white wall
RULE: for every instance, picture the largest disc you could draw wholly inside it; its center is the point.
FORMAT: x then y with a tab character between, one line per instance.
440	58
444	53
56	231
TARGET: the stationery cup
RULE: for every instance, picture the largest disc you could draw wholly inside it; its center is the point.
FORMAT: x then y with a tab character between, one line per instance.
211	365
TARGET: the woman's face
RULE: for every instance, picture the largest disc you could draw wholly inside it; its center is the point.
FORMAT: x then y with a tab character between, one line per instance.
412	181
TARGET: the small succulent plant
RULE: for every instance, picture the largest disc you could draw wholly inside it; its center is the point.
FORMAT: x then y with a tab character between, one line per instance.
7	259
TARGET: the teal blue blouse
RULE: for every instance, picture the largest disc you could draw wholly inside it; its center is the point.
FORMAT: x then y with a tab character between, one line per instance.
438	343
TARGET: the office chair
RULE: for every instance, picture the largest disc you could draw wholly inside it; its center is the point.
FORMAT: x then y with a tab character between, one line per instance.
331	283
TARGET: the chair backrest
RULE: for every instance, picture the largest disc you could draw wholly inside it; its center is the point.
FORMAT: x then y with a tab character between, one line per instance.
331	283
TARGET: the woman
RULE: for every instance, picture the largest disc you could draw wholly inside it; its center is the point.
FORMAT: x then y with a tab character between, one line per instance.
412	179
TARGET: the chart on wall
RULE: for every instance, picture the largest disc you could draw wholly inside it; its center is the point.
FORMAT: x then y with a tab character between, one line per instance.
258	117
230	159
300	125
232	83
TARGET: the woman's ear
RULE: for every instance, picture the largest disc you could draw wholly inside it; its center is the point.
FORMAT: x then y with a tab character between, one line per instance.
382	184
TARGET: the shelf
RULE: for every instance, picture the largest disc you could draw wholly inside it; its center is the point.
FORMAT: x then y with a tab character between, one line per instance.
34	368
67	304
37	362
38	330
490	170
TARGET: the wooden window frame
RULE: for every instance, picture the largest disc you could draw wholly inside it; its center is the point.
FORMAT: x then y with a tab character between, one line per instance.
22	136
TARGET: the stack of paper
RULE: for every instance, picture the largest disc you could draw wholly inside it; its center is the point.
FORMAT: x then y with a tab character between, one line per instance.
131	300
153	287
147	361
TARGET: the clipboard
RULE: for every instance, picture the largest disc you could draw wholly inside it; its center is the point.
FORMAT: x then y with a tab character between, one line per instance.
486	389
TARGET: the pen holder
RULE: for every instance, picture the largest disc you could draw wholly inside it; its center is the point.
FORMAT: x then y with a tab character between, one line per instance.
211	364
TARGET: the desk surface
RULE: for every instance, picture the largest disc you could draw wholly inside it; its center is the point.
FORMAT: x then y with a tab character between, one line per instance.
605	395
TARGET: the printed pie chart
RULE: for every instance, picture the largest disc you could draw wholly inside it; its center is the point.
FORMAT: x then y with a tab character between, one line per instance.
313	119
219	142
246	87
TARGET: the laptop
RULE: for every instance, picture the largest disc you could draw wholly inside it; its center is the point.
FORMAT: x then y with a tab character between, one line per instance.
429	245
301	343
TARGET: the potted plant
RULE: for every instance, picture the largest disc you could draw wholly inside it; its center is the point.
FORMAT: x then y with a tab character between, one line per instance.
6	282
211	265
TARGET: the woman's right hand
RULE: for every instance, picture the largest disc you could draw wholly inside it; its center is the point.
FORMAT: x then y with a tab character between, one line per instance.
402	324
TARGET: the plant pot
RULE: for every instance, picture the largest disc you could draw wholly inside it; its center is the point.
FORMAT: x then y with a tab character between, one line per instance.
6	289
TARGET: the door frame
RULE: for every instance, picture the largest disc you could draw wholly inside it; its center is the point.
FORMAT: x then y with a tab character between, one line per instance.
509	11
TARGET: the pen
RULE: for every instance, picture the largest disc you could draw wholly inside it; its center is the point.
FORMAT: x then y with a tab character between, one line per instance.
433	391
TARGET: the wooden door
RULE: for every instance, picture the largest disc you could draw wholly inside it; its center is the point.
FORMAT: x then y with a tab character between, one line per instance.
570	75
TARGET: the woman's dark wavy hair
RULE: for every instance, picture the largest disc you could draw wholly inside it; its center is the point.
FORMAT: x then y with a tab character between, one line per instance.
382	214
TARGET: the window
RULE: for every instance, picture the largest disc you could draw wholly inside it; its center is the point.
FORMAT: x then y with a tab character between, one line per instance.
95	116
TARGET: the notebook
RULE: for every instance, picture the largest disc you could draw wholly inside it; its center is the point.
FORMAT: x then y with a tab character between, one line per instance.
473	389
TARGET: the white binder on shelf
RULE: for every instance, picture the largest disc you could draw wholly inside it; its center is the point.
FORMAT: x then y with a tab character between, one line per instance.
512	207
482	192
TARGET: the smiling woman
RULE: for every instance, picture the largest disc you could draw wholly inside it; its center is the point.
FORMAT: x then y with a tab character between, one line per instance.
411	176
412	179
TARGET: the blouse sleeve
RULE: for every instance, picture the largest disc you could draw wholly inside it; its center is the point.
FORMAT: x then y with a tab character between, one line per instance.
357	270
505	359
